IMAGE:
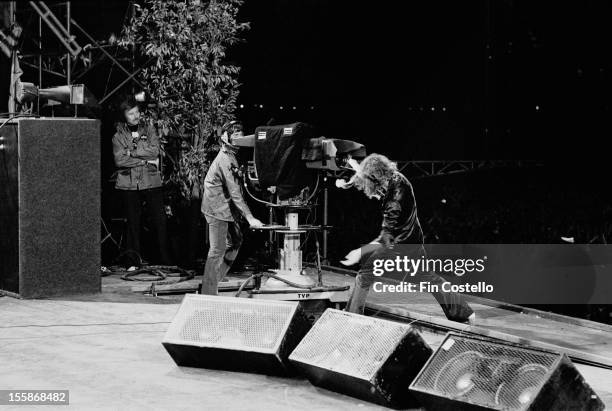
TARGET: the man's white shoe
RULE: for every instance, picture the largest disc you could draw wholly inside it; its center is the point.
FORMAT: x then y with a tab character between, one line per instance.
472	319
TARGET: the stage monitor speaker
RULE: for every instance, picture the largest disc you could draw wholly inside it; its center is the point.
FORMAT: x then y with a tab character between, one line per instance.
49	206
236	334
364	357
469	373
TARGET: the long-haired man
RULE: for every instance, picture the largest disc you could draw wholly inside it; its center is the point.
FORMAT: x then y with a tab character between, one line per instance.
379	178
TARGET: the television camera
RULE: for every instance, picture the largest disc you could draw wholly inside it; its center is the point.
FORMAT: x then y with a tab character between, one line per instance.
288	172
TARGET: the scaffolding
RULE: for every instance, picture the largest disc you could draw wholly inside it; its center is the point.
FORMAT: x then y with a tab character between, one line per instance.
46	25
432	168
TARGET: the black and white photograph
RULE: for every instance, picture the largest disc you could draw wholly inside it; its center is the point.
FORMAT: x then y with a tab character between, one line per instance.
305	205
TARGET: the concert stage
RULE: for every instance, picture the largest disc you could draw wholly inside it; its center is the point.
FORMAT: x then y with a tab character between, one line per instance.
106	349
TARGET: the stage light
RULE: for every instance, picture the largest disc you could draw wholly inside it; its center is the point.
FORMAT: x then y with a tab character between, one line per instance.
443	108
433	109
68	94
261	106
294	107
242	106
77	92
281	107
537	108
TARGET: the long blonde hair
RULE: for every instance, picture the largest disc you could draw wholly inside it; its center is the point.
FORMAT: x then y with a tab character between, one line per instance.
375	172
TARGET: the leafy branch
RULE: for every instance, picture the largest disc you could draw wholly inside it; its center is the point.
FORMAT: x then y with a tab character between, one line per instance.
195	89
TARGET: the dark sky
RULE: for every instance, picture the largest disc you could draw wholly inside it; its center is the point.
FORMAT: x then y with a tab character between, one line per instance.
430	79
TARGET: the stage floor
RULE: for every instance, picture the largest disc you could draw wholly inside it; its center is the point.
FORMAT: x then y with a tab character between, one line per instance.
106	349
110	357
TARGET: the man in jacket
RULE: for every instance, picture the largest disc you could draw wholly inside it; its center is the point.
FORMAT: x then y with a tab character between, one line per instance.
378	177
222	206
136	153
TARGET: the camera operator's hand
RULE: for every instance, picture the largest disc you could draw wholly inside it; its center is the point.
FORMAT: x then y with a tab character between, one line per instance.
254	222
352	258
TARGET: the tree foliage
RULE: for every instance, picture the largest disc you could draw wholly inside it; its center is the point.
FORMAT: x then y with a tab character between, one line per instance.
184	44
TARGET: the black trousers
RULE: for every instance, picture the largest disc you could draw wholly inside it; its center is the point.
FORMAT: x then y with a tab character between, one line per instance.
191	226
454	305
154	200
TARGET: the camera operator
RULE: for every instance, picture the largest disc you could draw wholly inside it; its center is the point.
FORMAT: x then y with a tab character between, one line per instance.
136	152
222	205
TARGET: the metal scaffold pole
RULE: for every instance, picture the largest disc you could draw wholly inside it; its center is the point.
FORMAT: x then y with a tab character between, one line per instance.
325	217
40	70
11	104
68	61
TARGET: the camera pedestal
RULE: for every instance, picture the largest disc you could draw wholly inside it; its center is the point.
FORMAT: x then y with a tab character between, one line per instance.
292	282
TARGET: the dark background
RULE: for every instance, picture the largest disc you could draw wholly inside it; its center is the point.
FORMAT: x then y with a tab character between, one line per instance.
486	79
523	80
444	80
437	79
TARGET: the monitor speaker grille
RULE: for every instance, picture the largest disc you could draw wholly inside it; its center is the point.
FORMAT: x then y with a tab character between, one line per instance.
231	323
349	344
494	375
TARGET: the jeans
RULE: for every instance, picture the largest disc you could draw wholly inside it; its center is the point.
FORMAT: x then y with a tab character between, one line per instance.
454	306
225	239
154	198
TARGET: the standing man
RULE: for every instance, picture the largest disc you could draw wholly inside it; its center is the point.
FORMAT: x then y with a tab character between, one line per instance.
222	205
136	152
378	177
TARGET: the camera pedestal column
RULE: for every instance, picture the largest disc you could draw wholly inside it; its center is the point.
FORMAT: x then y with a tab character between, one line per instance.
305	288
290	257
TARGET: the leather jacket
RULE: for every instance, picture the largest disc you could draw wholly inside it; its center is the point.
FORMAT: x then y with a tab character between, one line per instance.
400	223
222	198
131	153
